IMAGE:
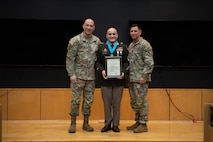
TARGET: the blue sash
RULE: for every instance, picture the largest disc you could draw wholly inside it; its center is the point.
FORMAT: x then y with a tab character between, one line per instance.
111	49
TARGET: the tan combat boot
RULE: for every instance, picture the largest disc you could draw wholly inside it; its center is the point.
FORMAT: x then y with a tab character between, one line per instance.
86	126
141	128
72	125
133	126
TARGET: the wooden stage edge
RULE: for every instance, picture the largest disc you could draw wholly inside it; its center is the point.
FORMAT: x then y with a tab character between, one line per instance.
57	131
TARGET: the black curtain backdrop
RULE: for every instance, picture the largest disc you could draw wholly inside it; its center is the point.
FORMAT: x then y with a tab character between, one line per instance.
32	53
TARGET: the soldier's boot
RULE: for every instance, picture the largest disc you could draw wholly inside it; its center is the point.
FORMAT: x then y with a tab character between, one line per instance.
86	125
72	125
133	126
141	128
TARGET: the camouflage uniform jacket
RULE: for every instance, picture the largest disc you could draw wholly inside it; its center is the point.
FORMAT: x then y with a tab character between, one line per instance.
141	61
81	56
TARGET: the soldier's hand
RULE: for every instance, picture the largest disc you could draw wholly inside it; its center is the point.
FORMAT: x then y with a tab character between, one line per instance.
73	79
142	80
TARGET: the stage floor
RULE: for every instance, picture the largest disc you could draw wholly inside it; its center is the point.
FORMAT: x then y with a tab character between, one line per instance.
57	131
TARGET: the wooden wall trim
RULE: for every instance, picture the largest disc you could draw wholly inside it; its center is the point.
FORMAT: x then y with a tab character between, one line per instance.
54	104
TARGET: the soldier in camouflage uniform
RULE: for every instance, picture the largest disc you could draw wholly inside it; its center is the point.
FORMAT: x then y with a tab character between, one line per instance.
80	62
141	65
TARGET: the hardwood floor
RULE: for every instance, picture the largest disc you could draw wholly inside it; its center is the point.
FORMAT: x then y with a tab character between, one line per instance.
57	131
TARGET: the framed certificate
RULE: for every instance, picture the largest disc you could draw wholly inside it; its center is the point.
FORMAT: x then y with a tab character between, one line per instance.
113	66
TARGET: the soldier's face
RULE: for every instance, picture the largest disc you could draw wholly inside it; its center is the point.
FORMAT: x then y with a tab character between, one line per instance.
135	33
112	35
88	27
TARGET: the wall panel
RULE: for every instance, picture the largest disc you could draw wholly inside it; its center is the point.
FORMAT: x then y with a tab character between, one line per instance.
4	102
158	104
24	104
188	102
207	97
54	104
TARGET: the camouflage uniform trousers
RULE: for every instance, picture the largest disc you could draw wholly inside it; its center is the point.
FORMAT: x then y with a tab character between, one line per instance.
87	88
138	101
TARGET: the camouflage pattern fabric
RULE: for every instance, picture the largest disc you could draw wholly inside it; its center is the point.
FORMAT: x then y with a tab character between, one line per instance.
80	62
81	56
141	64
88	93
139	102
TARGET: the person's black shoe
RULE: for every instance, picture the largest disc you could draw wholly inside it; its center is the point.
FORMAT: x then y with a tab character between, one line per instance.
106	128
115	129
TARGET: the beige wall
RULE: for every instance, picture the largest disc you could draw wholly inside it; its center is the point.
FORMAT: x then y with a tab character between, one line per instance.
54	104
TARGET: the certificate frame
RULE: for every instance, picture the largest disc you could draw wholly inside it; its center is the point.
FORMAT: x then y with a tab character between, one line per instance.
113	66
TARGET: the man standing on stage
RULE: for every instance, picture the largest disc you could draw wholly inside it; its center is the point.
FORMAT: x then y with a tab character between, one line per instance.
80	62
141	65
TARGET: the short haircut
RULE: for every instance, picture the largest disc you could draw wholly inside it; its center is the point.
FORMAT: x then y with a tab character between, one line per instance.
136	25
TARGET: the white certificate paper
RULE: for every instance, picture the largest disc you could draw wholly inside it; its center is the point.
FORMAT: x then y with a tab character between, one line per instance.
113	67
